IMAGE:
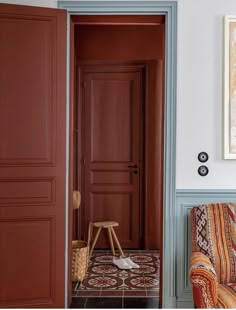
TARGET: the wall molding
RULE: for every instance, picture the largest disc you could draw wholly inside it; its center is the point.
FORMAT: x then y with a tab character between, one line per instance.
168	8
185	200
119	7
222	193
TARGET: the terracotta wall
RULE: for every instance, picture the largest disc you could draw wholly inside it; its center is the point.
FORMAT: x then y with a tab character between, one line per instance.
119	42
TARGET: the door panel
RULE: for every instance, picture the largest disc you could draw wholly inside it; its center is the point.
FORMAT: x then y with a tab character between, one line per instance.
36	234
111	111
31	94
32	156
112	102
117	206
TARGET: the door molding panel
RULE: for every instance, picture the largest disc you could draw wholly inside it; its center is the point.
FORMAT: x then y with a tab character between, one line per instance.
48	224
47	151
18	191
169	8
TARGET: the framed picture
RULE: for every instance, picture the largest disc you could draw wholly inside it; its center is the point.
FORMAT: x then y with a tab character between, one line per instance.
230	88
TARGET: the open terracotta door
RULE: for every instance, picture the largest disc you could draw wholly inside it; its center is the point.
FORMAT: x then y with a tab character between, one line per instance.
32	156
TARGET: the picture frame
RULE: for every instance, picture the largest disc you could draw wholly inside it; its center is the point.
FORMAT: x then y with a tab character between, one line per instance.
229	87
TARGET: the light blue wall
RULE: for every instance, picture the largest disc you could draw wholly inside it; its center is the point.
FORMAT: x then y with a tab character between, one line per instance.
185	200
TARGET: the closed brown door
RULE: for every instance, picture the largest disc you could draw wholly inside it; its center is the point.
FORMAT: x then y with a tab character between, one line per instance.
32	156
111	97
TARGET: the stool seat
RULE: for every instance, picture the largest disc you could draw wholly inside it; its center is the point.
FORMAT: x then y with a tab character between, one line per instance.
105	224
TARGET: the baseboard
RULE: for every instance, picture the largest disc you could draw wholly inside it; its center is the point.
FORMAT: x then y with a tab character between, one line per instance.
170	303
185	304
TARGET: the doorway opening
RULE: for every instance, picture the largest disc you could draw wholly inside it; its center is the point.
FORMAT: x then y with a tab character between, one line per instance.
117	120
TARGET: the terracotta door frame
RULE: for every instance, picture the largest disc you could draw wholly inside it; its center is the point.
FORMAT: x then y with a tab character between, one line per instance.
168	8
148	167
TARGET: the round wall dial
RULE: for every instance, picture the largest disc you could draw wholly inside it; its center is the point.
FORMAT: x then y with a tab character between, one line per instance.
203	157
203	171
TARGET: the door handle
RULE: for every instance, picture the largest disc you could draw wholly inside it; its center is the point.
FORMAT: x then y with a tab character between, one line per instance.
133	166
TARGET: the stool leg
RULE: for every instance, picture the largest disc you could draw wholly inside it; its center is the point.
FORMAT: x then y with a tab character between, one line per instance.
117	242
111	241
95	240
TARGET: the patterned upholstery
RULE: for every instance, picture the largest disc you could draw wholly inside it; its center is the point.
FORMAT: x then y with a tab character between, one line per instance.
213	258
204	280
226	295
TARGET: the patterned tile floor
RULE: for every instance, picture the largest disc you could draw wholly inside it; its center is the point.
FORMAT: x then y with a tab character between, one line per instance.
104	279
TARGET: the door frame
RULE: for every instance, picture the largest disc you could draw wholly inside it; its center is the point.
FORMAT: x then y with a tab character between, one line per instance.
169	9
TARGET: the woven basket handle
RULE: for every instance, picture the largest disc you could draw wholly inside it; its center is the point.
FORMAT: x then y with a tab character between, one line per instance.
90	232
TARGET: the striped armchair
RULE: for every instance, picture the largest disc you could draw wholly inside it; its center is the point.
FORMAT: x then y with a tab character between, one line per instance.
213	260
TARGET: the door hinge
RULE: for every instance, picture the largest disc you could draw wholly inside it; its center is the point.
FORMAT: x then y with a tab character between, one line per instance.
83	84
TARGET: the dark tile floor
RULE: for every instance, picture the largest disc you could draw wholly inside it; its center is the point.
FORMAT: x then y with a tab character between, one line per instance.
115	302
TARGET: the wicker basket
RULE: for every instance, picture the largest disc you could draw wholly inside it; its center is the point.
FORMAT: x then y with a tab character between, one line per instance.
80	257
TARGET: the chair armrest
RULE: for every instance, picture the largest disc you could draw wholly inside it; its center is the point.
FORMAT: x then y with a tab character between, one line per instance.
204	281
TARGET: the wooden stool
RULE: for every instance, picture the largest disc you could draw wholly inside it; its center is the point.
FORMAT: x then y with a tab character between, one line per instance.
111	232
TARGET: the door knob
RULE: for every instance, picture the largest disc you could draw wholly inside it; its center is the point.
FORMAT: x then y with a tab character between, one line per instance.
134	166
